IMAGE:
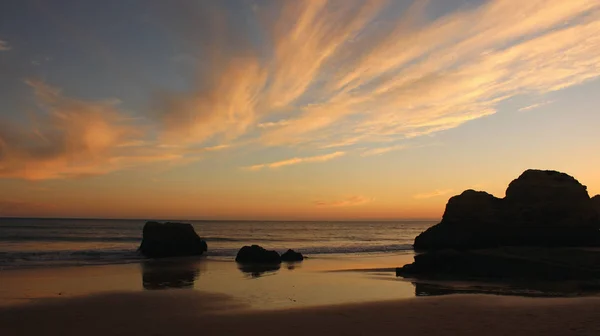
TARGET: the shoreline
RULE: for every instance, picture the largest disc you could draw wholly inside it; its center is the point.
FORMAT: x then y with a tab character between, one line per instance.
209	257
316	281
324	280
134	257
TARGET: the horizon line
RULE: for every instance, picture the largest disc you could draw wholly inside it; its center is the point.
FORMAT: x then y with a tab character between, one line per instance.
230	220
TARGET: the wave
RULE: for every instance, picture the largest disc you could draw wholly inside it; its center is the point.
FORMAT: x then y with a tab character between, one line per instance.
62	238
67	258
138	239
259	239
119	256
316	250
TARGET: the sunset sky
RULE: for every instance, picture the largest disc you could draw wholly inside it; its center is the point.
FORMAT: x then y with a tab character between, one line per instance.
290	109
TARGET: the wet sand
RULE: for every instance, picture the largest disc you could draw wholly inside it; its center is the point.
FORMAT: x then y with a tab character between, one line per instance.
317	281
196	313
322	296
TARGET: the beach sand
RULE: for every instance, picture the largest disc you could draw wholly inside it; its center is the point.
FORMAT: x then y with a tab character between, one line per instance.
322	296
196	313
317	281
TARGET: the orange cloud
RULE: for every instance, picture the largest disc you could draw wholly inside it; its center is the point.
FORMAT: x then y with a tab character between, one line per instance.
419	80
272	124
326	74
4	46
382	150
73	138
296	160
346	202
227	109
305	36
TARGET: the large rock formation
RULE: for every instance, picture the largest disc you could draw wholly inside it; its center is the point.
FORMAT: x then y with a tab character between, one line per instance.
549	198
596	203
541	208
507	264
529	289
171	240
257	255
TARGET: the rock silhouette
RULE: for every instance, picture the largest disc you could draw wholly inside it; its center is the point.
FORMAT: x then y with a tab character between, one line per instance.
531	235
541	208
257	255
522	289
523	263
170	240
291	255
596	203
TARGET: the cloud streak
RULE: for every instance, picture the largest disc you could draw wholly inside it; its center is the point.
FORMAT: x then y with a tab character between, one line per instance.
74	138
270	124
333	77
4	46
346	202
534	106
435	193
296	160
383	150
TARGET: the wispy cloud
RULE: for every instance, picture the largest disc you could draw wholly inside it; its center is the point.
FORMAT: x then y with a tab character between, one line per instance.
273	124
346	202
4	46
432	194
534	106
336	78
343	142
74	138
296	160
216	148
382	150
325	74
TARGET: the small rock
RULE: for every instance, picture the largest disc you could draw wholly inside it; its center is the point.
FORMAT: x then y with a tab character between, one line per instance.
257	255
291	255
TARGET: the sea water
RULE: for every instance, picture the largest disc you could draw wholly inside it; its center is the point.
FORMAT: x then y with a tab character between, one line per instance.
34	242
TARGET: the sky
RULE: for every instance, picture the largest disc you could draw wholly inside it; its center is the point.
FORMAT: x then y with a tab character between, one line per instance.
290	110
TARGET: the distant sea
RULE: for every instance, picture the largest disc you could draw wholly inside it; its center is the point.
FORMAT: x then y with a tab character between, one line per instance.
35	242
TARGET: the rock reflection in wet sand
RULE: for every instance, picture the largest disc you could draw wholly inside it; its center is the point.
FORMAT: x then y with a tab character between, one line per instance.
258	270
161	274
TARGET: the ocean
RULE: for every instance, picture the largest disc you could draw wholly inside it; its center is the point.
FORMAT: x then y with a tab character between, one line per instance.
35	242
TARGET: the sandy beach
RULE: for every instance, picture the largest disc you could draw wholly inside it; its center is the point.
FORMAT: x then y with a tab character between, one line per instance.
317	281
197	313
333	295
